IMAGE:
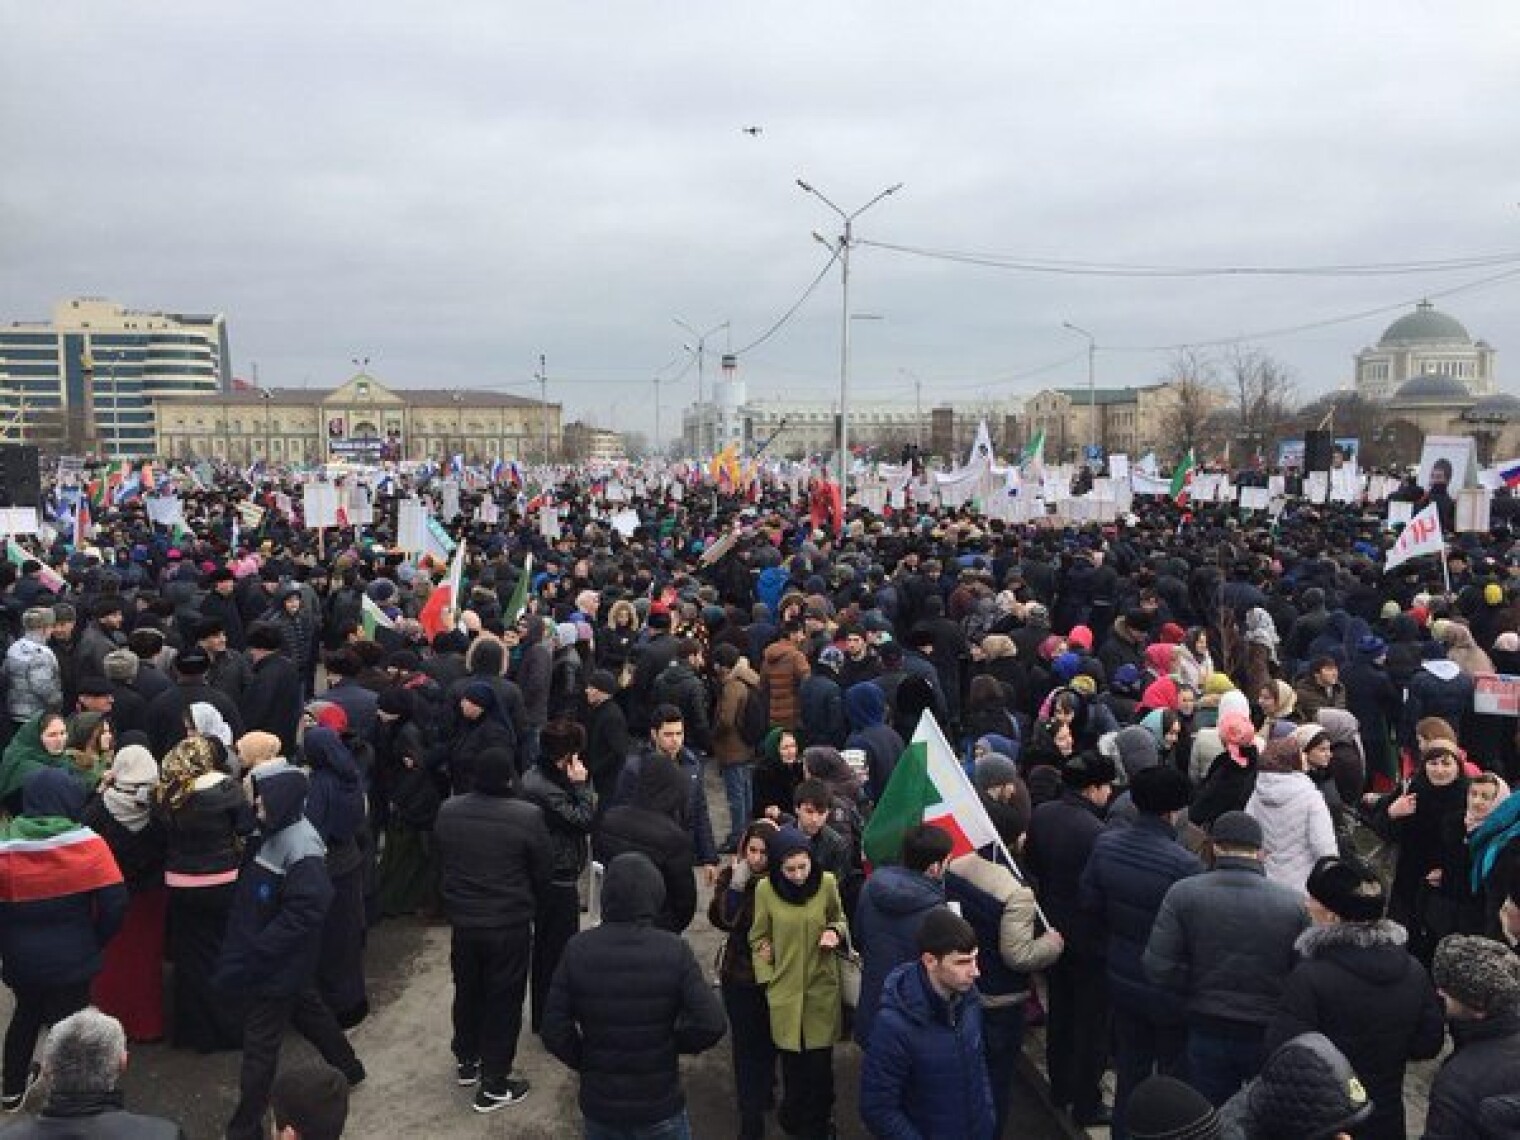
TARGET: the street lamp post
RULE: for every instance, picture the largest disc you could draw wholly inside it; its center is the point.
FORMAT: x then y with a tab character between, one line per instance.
1092	391
543	401
701	354
846	240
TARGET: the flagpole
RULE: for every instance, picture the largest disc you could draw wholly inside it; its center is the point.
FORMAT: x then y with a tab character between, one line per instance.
1445	571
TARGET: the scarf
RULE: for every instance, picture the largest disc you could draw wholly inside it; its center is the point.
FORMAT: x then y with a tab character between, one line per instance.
186	762
1492	837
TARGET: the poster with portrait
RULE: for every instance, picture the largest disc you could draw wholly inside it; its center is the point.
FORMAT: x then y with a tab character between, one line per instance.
1451	460
337	428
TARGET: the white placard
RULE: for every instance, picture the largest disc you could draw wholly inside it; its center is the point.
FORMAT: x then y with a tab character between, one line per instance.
625	522
361	505
1255	498
1118	467
18	520
548	523
1399	513
165	510
1317	486
319	505
411	526
448	507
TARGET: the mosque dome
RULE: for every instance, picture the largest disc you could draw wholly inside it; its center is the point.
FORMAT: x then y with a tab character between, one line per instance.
1500	404
1427	325
1432	389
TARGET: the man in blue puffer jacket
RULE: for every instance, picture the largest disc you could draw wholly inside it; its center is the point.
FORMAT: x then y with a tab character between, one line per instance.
924	1075
274	938
892	906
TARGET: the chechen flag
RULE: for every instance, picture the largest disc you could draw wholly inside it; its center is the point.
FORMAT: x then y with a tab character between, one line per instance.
444	599
927	786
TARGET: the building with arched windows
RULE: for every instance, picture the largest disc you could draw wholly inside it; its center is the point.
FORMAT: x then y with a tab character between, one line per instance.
1426	342
361	420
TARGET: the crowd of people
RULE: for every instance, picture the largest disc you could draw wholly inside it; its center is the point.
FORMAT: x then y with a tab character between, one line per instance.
1254	831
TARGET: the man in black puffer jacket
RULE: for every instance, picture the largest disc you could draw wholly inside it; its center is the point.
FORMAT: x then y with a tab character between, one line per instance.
496	862
626	1002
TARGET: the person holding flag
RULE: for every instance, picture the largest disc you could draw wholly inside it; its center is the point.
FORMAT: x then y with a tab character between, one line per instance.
1062	835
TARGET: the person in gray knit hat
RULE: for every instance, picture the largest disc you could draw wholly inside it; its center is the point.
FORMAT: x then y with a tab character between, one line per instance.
1479	981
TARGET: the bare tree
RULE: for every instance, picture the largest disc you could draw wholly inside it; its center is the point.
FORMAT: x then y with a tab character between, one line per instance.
1262	392
1195	395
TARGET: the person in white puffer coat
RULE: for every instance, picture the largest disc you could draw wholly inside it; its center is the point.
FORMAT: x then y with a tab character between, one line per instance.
1295	823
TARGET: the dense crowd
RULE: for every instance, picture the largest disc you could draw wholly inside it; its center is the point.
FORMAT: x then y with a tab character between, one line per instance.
1254	834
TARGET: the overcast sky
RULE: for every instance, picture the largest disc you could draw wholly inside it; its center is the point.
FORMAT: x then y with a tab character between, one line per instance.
453	188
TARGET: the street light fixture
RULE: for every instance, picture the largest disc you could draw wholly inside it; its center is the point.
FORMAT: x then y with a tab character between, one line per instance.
1092	391
701	354
846	241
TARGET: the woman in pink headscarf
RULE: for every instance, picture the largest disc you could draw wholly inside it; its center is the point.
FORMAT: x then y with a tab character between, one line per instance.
1231	777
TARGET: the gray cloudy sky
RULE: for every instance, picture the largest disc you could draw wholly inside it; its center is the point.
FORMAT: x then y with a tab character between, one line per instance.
453	188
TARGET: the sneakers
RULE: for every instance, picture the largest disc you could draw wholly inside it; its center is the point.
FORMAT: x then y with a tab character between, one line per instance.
14	1102
489	1098
467	1073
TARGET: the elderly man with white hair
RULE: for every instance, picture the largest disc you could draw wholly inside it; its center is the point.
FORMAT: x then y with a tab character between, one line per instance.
82	1064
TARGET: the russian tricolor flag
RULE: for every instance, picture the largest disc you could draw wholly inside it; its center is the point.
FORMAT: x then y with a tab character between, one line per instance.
1510	473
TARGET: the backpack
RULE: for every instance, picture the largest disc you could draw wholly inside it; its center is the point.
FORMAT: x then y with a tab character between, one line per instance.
754	716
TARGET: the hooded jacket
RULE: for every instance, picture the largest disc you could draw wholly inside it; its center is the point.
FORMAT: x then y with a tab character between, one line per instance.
892	907
61	894
1295	824
335	804
627	1000
925	1073
654	824
274	932
1358	985
1437	688
866	706
34	683
784	666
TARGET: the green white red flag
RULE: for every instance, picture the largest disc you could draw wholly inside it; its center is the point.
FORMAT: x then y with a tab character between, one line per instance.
927	786
1182	479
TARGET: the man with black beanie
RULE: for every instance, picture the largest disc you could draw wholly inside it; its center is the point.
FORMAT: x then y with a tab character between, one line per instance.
169	711
1062	834
1130	870
273	700
495	866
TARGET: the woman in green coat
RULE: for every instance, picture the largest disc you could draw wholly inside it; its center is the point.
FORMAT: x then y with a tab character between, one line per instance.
798	928
39	743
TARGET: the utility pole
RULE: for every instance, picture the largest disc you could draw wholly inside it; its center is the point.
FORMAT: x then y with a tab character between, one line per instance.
543	390
657	413
846	240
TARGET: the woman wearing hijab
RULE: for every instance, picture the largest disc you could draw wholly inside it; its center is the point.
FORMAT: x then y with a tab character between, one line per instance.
1231	778
335	807
1297	830
205	818
732	911
130	985
798	928
778	773
407	797
39	743
1261	642
482	725
1423	817
1278	702
64	900
92	741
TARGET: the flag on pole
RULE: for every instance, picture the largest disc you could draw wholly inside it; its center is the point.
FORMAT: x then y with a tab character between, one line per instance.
1182	479
519	600
372	617
83	524
981	447
927	786
445	597
1421	535
1032	458
17	555
1509	472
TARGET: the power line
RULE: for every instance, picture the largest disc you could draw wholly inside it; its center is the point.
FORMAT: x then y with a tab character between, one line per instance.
1119	269
787	316
1309	326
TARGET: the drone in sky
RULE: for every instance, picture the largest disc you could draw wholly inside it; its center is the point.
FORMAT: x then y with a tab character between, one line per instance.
753	132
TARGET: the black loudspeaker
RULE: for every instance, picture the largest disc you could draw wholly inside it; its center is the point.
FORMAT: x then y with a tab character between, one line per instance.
1319	448
20	477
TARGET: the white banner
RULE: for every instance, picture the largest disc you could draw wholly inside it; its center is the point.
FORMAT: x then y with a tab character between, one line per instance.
1421	536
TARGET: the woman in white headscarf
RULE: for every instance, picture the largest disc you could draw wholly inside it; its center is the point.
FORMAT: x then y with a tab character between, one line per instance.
1261	664
130	985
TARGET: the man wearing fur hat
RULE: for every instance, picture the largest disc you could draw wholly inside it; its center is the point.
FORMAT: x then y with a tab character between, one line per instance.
1479	981
1357	983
